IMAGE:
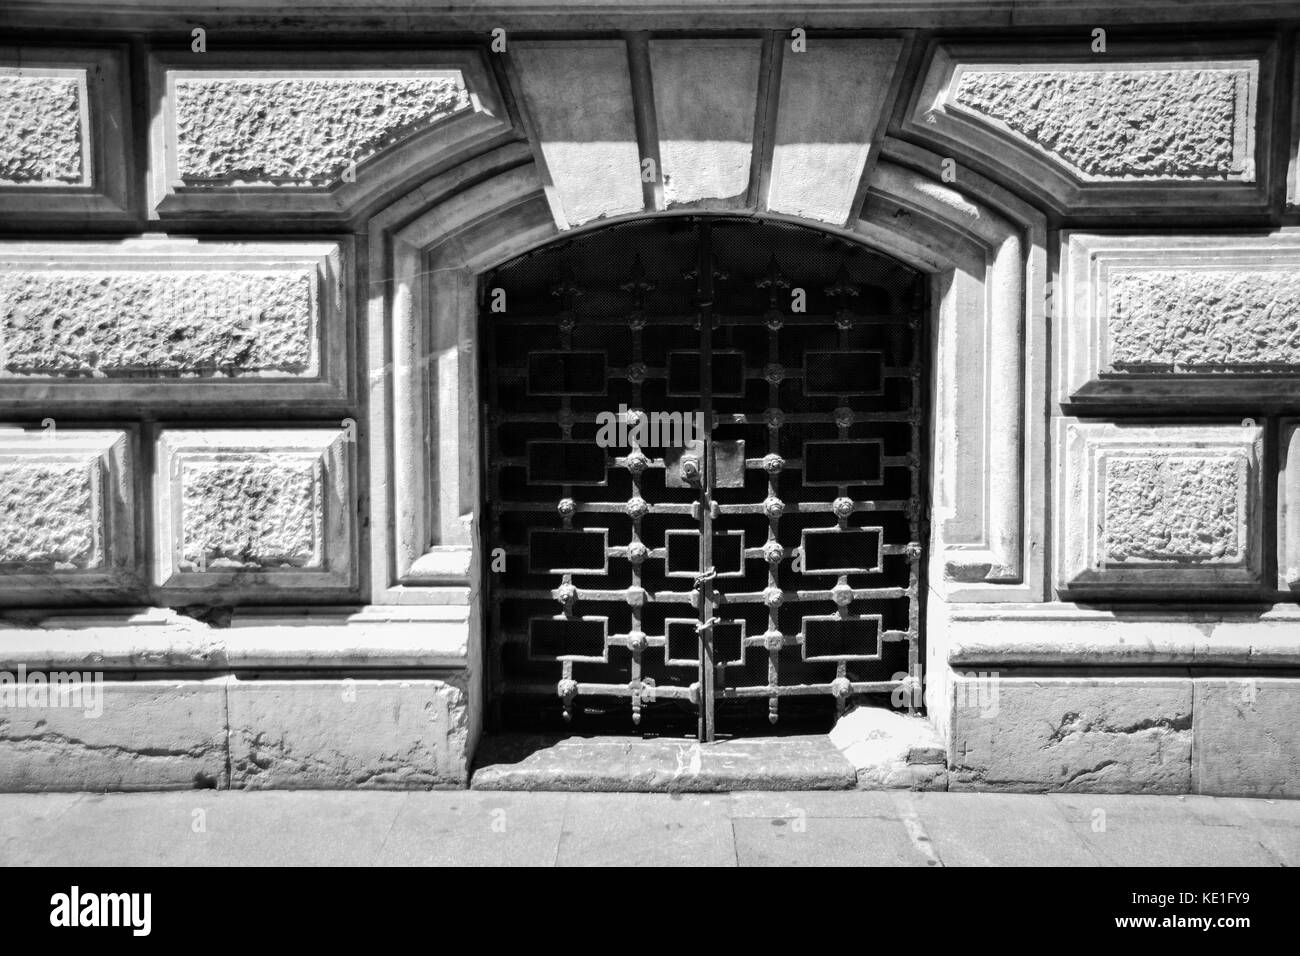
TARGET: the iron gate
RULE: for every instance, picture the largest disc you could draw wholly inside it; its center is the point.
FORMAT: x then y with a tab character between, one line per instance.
703	444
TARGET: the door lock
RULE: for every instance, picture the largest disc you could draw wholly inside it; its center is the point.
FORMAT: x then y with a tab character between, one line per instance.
690	466
684	466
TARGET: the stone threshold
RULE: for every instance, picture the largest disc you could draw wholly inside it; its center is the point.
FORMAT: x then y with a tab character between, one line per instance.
878	753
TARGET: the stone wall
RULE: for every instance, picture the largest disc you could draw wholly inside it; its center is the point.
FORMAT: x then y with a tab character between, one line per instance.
239	465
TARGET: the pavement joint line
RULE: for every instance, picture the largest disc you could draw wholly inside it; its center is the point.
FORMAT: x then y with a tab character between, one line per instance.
401	808
916	831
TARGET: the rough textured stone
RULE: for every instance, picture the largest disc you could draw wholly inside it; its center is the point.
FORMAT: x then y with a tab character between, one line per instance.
660	765
183	323
67	521
1152	123
1173	509
367	734
1147	507
151	735
42	139
1118	735
1199	318
252	511
300	129
240	513
51	513
1247	741
891	750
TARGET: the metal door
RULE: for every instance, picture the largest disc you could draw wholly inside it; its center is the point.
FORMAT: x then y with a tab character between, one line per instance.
703	484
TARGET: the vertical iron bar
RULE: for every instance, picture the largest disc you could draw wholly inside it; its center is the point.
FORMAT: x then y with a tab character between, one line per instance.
707	668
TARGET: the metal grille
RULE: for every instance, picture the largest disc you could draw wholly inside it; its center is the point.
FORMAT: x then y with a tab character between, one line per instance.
770	564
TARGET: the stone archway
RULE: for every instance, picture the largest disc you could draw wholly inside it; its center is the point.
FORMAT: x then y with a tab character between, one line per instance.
985	257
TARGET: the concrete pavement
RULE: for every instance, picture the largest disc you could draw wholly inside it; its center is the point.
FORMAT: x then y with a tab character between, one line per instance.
898	828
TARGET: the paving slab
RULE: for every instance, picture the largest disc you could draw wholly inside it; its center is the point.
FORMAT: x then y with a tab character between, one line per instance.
475	829
826	841
998	830
621	829
661	765
1123	830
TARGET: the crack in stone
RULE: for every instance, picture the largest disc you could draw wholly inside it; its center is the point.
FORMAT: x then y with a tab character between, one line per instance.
1072	723
1091	770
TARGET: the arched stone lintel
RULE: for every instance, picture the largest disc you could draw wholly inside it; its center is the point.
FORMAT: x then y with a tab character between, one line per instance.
984	249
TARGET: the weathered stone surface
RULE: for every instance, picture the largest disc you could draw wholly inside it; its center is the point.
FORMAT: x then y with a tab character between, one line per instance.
1117	735
1174	509
182	323
300	129
1196	318
66	513
148	735
705	94
43	136
1121	122
891	750
251	508
52	513
366	734
1180	317
589	140
1146	507
1247	739
828	108
660	765
251	511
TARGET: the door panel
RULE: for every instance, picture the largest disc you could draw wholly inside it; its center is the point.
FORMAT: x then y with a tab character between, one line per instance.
703	442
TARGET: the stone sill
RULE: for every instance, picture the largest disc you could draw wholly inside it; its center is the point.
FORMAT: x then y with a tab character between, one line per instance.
1070	634
157	638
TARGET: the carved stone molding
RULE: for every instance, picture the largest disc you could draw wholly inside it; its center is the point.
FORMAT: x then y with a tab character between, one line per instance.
1155	508
1288	508
308	135
65	152
1143	127
1180	317
174	321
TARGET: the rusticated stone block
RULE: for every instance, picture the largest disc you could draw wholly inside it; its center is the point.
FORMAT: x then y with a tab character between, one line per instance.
1144	508
1117	735
1187	121
64	134
1247	741
43	118
1148	126
137	319
308	135
345	734
67	506
293	128
113	735
248	513
1191	317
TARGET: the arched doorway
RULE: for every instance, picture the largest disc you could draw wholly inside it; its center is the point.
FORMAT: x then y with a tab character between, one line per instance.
704	499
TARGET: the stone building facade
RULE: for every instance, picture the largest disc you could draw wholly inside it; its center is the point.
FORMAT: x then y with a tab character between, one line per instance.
246	274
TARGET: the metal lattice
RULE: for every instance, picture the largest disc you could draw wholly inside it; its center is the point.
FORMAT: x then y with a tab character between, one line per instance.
774	557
